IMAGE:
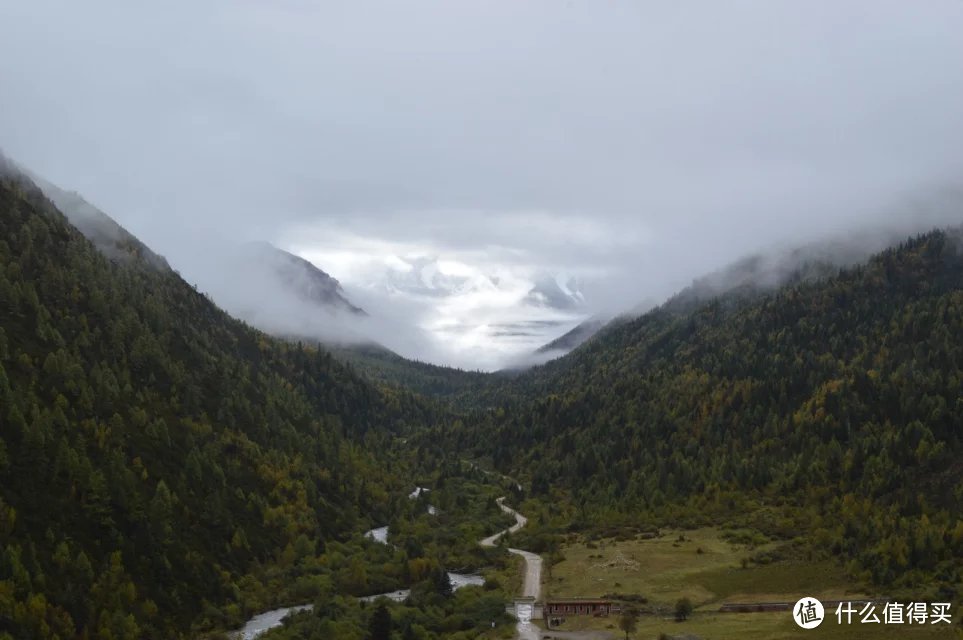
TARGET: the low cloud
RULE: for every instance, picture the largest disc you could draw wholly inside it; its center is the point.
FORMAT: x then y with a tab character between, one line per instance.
635	146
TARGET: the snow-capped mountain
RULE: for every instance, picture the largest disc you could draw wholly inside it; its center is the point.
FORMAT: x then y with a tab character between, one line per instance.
479	315
557	292
437	278
432	277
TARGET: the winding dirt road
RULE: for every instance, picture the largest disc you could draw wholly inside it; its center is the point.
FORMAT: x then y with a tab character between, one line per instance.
533	574
533	562
532	588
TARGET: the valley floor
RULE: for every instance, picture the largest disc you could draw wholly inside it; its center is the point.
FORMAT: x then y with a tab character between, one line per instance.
705	567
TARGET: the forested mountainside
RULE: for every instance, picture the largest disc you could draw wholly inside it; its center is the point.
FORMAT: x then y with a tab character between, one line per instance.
302	278
456	388
154	452
104	232
742	283
569	355
382	365
572	338
836	401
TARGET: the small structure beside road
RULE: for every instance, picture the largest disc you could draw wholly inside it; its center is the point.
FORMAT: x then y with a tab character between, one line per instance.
581	607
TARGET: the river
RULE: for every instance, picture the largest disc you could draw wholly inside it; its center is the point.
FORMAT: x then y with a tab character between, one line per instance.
533	573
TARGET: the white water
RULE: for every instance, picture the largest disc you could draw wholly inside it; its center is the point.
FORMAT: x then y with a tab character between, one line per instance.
417	493
527	631
264	621
378	535
458	580
398	596
270	619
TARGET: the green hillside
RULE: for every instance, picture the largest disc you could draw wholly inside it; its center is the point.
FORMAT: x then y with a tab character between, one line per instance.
830	408
154	451
166	470
441	383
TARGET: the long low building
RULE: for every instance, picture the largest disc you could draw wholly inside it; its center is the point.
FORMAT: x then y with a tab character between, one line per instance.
581	607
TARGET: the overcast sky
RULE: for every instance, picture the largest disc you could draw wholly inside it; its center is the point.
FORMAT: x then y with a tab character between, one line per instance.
633	144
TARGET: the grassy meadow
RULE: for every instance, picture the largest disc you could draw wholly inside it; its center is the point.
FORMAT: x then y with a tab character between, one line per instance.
710	568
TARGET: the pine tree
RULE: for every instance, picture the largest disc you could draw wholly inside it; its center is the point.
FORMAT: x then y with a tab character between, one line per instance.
380	625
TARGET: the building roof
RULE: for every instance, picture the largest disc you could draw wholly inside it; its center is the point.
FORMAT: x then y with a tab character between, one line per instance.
578	601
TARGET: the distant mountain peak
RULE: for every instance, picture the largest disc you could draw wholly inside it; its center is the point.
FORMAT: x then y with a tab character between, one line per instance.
557	293
303	278
425	277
